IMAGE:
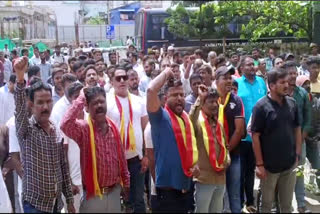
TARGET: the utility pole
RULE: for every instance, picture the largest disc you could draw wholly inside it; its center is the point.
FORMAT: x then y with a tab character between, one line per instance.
57	30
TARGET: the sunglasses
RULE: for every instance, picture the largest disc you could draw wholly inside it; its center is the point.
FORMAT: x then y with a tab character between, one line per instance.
124	77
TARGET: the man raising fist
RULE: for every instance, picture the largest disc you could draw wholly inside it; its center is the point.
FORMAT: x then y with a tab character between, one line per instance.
46	174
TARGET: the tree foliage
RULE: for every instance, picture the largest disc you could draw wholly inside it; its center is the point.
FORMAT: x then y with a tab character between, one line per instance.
260	19
95	21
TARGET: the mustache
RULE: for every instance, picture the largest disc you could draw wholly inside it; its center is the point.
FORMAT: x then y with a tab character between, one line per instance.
45	112
100	110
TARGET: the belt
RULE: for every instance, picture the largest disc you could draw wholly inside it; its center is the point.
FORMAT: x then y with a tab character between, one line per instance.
132	160
106	190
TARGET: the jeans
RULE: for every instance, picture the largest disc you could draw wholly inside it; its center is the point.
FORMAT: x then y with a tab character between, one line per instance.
309	150
233	184
285	182
172	201
28	208
209	198
247	172
136	199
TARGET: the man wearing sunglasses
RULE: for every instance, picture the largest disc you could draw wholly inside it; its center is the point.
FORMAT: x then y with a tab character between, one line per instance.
128	111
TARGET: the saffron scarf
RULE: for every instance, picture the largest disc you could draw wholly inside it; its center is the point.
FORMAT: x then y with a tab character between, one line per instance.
130	142
221	117
209	143
185	138
91	172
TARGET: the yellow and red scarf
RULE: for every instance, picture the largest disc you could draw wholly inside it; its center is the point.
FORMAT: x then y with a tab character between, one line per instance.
130	142
221	118
218	163
186	141
91	172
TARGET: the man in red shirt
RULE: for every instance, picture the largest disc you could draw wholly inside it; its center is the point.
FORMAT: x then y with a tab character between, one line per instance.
103	162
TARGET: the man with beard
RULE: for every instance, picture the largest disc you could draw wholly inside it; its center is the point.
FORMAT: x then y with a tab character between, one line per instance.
304	111
113	58
103	164
103	78
175	155
148	66
43	157
133	83
57	90
276	142
250	89
57	57
233	123
91	75
78	69
213	153
129	113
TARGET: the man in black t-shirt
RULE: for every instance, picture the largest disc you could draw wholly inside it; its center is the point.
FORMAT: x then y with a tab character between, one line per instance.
276	135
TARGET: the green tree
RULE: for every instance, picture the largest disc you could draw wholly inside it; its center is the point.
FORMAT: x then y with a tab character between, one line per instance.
97	20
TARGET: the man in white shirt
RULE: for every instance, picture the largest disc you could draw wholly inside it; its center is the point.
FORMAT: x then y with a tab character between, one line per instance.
148	66
7	65
7	104
45	67
133	57
130	115
35	59
57	57
57	89
71	147
6	51
129	41
133	83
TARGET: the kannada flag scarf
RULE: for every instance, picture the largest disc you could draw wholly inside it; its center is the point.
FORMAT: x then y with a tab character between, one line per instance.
186	141
218	163
221	117
130	143
91	182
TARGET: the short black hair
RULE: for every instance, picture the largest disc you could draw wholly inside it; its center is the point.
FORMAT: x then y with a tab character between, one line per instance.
313	60
82	57
199	52
212	93
111	53
24	50
289	64
275	74
274	60
194	76
92	92
171	83
33	71
73	88
77	65
38	86
14	52
71	59
68	78
89	62
55	71
88	68
13	78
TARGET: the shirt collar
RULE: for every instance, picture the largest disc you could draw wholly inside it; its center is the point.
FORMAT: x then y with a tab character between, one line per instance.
245	79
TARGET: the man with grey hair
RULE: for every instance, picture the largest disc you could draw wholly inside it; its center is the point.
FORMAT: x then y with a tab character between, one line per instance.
7	65
211	57
262	71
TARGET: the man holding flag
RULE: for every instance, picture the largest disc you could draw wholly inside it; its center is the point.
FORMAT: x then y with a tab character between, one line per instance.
175	146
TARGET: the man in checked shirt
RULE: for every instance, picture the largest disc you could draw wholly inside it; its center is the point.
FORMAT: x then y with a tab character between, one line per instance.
46	174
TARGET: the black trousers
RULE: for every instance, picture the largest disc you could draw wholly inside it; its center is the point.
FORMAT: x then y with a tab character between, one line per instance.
248	164
171	201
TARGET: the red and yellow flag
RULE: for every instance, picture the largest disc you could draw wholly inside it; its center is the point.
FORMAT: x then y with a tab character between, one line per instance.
130	142
91	182
217	161
186	141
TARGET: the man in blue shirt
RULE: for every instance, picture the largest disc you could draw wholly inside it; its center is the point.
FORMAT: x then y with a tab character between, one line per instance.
172	183
250	89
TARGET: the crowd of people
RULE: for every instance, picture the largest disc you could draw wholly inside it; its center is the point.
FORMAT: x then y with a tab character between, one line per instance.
189	130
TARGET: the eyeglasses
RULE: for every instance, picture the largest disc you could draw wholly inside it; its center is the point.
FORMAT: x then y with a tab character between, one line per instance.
124	77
